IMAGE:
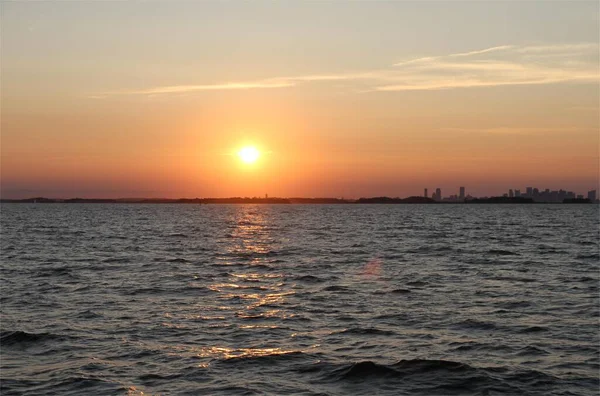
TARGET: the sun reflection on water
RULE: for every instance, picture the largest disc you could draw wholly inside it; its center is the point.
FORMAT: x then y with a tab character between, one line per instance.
251	235
236	353
254	297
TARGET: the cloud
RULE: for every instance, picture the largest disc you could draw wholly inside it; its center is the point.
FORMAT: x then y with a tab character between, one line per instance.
208	87
275	82
484	51
520	130
498	66
504	65
560	48
460	54
441	82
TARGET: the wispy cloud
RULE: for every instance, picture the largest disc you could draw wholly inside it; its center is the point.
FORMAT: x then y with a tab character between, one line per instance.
498	66
172	89
503	65
457	55
520	130
275	82
484	51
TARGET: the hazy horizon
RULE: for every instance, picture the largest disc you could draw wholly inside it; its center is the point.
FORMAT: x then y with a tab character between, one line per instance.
155	99
445	194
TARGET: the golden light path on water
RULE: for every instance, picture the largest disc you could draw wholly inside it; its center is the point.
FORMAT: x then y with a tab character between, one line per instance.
250	241
254	292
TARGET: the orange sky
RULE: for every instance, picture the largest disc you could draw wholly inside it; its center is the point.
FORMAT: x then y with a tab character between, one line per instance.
110	100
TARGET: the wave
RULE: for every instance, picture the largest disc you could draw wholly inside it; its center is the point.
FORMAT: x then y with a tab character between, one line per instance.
110	236
85	385
586	279
89	314
514	304
151	378
417	283
593	256
75	385
439	377
400	291
231	390
430	249
252	254
479	347
533	329
473	324
144	290
363	369
365	331
58	271
550	250
177	235
514	279
531	350
178	260
336	288
23	338
117	260
261	357
309	279
501	252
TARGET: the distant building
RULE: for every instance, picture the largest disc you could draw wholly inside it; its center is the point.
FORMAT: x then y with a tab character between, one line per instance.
425	193
547	195
438	194
461	195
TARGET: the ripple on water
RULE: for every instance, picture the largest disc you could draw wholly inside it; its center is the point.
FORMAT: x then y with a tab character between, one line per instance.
299	299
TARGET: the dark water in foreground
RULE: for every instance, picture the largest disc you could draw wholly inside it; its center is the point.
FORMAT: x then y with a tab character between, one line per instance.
300	299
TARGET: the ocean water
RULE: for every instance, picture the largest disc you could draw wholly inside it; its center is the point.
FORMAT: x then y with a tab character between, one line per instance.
299	299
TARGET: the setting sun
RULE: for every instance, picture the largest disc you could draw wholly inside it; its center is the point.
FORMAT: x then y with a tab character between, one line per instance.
249	154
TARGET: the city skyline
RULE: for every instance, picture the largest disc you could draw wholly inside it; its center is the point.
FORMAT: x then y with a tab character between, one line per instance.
538	195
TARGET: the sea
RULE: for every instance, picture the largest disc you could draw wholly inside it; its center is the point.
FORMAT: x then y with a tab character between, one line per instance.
132	299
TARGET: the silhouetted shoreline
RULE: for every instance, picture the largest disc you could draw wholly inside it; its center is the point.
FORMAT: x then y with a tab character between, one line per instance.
255	200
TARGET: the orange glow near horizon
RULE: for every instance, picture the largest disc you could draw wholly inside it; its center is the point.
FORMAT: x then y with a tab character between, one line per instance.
363	110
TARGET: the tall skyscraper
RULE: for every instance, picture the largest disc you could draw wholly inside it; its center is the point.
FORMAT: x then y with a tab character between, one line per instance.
461	195
530	191
517	193
438	194
592	195
510	193
425	193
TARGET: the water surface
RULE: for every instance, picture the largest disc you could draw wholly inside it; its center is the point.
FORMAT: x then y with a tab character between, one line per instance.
299	299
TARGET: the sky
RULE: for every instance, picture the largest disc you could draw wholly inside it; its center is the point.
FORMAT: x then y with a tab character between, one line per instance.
342	99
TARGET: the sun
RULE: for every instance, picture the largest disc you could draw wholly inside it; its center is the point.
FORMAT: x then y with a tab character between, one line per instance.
249	154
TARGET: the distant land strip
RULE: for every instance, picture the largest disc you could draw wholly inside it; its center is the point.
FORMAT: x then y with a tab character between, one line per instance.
255	200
